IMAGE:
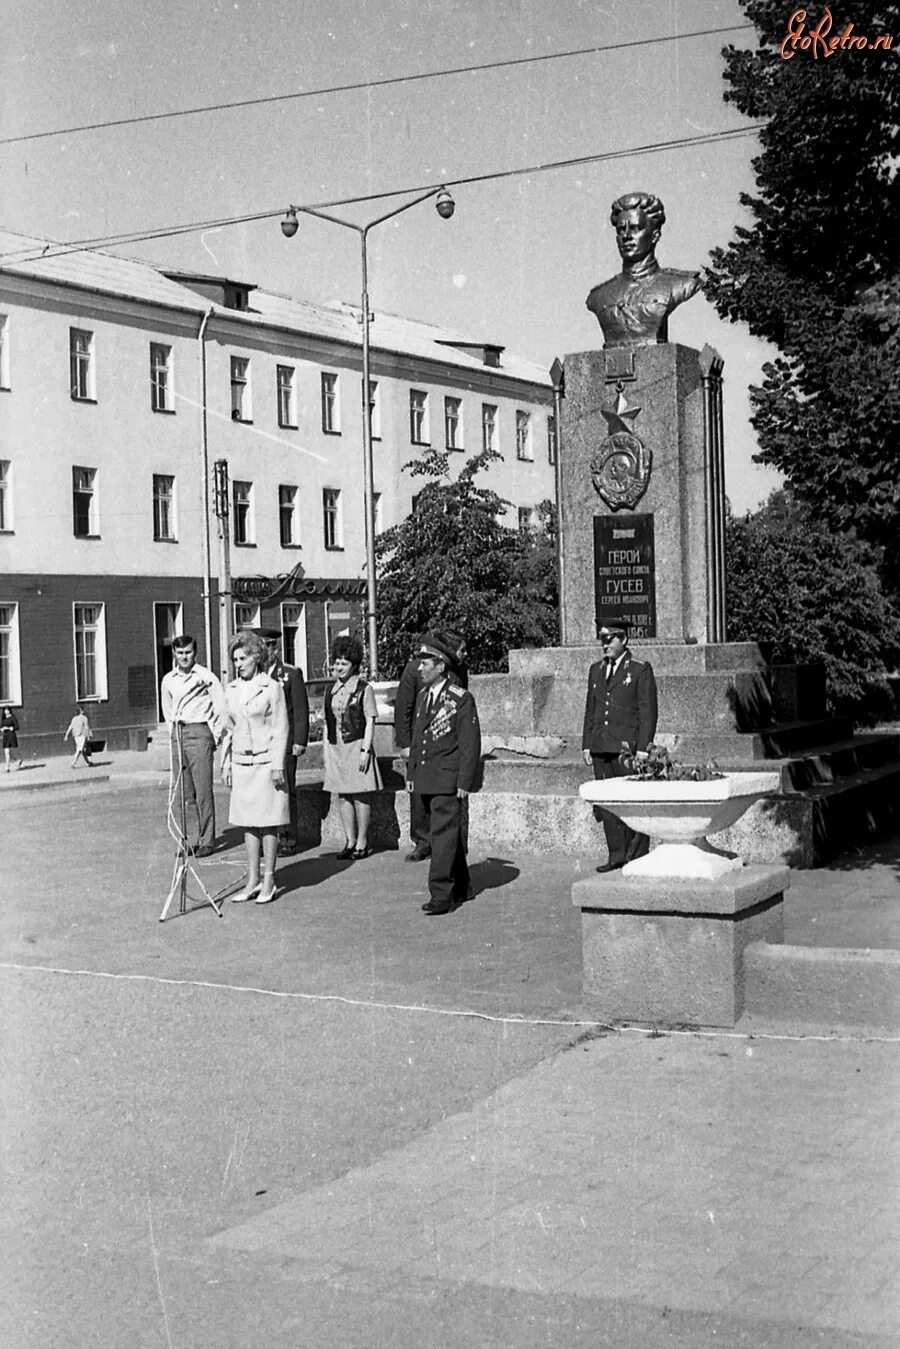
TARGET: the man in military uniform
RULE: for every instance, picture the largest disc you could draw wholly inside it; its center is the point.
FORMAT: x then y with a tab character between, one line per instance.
633	308
619	717
404	709
290	677
444	754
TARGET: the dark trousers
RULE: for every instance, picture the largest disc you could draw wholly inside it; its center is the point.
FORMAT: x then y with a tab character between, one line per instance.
448	871
197	751
291	832
418	822
622	843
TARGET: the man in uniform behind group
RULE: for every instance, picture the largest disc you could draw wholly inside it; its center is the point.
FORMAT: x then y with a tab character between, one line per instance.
404	712
620	716
444	753
293	685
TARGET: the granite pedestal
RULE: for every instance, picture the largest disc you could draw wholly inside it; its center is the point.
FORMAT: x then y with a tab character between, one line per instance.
671	952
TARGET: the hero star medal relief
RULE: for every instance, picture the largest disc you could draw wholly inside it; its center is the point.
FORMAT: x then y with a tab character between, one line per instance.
620	470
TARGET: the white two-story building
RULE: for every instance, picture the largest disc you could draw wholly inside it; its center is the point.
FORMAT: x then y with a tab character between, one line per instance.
121	389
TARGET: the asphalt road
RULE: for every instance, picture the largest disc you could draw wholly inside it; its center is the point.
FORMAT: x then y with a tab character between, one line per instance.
171	1089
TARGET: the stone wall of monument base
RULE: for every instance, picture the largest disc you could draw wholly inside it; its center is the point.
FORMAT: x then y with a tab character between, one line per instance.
518	823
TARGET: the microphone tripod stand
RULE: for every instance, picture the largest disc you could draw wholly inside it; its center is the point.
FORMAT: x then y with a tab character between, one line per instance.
184	857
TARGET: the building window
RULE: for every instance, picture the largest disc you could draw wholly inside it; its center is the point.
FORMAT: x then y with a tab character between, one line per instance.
242	511
293	635
331	518
90	652
488	426
376	502
160	377
6	511
331	408
288	527
84	503
374	410
241	410
163	508
453	423
551	439
10	660
418	417
245	616
523	436
82	384
287	403
524	517
4	351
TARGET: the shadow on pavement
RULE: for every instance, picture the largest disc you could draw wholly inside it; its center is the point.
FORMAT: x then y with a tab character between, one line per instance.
883	854
301	874
492	873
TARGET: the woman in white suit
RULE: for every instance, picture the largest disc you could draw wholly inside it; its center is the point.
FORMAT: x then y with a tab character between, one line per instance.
253	756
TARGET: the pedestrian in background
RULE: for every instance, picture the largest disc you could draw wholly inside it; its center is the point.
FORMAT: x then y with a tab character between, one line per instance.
192	706
79	728
9	737
620	716
443	763
408	690
351	768
293	686
253	751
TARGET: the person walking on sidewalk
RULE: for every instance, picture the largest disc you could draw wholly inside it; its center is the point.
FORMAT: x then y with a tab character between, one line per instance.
253	752
192	705
620	716
408	690
9	737
79	728
351	769
444	754
293	686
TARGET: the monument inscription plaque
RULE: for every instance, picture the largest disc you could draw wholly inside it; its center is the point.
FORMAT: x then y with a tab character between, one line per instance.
624	572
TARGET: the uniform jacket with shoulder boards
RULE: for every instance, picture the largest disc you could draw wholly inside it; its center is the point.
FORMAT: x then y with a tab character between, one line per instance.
446	743
621	710
408	690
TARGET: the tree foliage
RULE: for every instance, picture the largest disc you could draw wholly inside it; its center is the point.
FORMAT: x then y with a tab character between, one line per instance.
453	563
816	273
811	596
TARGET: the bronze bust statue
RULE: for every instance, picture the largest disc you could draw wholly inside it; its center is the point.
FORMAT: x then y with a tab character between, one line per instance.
633	308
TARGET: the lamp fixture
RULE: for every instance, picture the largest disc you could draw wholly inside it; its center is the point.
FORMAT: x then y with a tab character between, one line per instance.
444	204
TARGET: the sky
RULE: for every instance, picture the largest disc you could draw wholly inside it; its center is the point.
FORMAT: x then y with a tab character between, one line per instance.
516	261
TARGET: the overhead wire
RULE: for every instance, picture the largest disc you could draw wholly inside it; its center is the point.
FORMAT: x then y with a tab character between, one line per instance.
360	85
52	249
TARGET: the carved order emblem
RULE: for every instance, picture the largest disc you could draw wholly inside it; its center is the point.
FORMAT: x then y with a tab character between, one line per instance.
620	470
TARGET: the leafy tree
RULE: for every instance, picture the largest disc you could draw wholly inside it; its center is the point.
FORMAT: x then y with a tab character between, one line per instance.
453	563
816	272
812	596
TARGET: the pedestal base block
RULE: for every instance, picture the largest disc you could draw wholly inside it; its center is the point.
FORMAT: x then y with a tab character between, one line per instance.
671	952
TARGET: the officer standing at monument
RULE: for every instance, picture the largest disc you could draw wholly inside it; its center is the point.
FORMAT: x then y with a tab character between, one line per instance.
444	754
293	685
408	691
620	716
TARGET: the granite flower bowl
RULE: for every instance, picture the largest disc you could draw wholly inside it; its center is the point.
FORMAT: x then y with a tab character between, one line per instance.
680	814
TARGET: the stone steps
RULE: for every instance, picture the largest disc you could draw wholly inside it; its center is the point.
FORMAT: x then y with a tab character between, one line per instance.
533	806
822	986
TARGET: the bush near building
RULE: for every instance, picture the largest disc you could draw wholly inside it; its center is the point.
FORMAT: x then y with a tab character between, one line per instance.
454	563
810	594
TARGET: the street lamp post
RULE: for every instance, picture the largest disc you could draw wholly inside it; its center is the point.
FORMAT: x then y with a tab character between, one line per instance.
445	207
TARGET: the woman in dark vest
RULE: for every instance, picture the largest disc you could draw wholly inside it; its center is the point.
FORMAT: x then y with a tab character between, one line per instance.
351	769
